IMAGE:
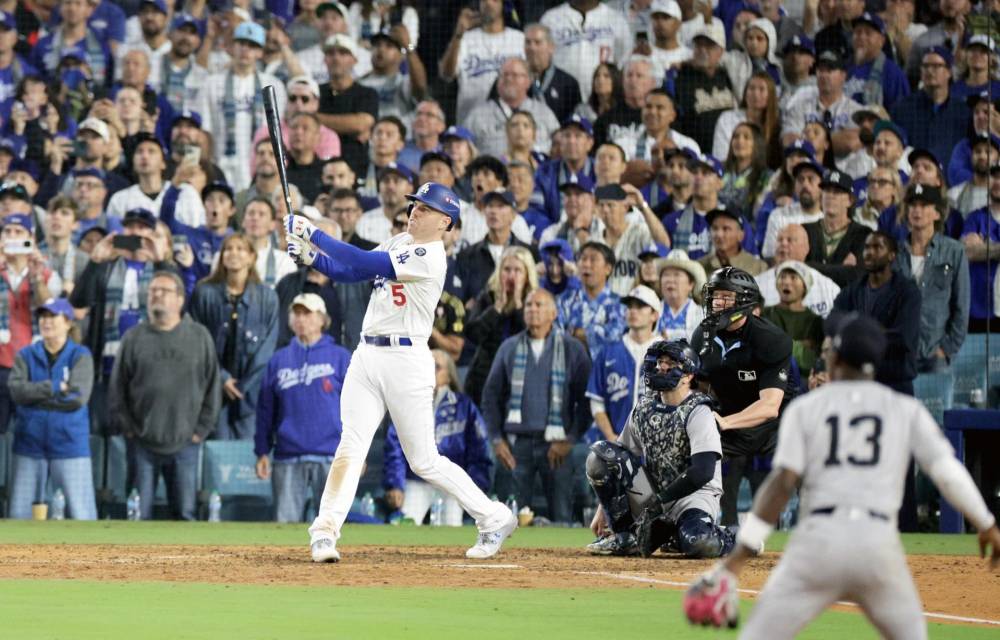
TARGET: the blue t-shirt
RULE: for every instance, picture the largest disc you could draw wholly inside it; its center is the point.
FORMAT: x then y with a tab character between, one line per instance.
613	381
894	83
981	274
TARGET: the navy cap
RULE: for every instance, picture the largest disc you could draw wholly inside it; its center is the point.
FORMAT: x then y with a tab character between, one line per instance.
810	164
90	172
560	247
218	185
922	193
439	156
800	43
872	20
723	211
504	196
461	133
399	169
974	140
7	20
22	219
802	147
612	192
579	181
678	151
145	136
837	179
916	154
982	96
98	228
187	20
384	36
857	340
141	216
14	190
25	166
892	127
705	160
191	116
944	52
159	4
57	307
580	123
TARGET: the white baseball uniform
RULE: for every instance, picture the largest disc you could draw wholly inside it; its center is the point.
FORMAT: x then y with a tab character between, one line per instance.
851	443
398	378
584	41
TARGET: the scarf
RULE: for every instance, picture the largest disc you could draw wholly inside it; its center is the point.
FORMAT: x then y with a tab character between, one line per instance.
172	82
554	429
872	89
229	110
95	54
5	294
114	295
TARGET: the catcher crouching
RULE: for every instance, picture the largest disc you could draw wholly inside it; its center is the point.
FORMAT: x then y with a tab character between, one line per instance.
660	483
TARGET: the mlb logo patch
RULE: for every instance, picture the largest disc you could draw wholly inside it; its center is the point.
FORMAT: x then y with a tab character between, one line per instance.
747	376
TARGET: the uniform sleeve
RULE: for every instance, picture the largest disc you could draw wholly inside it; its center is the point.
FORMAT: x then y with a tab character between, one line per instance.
703	432
417	262
628	438
790	452
927	441
778	353
267	412
595	382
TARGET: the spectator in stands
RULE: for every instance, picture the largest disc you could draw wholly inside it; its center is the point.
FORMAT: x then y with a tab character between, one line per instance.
165	418
308	280
667	49
615	384
627	238
298	411
948	32
703	88
576	141
935	117
606	95
804	209
888	151
581	221
927	170
232	103
73	33
206	240
189	142
885	194
50	386
640	75
793	244
368	18
681	280
427	126
487	120
802	325
181	77
655	134
593	313
303	97
759	106
265	177
973	194
331	20
305	168
674	180
62	255
486	174
829	105
460	145
150	190
241	315
475	54
498	312
153	42
13	66
873	78
260	222
746	173
980	68
461	436
982	226
756	55
941	270
394	184
860	162
345	106
836	242
398	92
535	407
387	139
344	207
521	178
521	132
94	137
893	299
558	89
726	226
798	59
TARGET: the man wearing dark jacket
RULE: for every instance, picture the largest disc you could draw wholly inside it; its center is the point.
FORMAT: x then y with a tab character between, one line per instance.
165	393
836	241
345	208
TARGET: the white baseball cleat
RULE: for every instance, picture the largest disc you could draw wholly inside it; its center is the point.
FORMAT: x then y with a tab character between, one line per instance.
488	543
324	550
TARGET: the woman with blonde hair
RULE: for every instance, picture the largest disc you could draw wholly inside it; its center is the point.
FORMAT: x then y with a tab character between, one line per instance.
241	314
501	313
885	194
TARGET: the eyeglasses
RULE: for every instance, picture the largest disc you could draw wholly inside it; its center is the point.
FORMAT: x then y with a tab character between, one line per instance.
161	291
302	99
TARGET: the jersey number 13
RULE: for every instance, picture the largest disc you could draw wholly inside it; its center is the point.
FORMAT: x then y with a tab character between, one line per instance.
873	428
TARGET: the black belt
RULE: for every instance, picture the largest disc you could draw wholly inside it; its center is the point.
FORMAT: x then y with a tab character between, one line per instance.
826	511
386	341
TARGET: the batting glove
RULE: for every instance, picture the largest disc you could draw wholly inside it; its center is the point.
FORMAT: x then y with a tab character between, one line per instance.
300	251
712	599
299	226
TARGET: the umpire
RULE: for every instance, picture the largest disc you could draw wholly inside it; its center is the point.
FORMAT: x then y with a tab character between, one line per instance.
746	360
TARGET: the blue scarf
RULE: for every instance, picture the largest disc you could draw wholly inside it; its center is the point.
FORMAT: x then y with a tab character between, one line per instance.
114	295
229	110
554	429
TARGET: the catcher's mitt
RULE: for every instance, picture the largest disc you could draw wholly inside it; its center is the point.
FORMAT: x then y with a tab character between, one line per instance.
712	599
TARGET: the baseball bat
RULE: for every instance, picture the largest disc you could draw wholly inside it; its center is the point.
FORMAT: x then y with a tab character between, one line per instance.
277	143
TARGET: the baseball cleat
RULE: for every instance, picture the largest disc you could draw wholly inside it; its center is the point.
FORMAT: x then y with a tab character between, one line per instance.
616	544
488	543
324	550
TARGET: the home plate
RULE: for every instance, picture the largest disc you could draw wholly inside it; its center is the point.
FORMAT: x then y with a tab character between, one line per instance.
484	566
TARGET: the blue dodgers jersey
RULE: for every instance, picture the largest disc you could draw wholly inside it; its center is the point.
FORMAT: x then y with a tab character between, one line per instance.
613	380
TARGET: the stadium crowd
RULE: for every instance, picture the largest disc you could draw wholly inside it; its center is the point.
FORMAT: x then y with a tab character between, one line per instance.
610	158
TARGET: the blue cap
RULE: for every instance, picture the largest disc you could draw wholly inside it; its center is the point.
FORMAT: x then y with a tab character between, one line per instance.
871	19
399	169
505	196
140	215
191	116
73	79
7	20
461	133
89	172
653	250
10	145
705	160
438	197
57	307
26	166
916	154
889	125
250	32
944	52
580	123
11	189
218	185
23	219
857	340
801	43
802	147
161	5
188	20
578	181
809	163
561	247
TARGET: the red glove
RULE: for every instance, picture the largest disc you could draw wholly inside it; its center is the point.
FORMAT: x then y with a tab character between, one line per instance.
712	599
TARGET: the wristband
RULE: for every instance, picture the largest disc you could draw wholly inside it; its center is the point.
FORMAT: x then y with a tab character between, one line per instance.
754	532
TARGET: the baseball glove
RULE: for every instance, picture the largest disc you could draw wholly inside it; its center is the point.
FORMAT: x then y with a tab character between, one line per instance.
712	599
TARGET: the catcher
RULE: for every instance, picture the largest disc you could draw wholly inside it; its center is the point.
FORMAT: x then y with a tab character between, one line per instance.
659	485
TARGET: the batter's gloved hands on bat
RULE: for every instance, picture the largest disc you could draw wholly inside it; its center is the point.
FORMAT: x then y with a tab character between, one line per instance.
300	250
299	226
712	599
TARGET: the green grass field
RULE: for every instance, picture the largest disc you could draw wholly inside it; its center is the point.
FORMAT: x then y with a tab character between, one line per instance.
85	609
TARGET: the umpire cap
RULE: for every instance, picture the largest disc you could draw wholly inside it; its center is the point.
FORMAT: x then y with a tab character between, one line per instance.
438	197
858	340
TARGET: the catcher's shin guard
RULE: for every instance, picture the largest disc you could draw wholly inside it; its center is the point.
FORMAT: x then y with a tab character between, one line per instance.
611	471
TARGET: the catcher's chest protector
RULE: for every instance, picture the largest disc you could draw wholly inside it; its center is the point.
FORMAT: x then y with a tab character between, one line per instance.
664	437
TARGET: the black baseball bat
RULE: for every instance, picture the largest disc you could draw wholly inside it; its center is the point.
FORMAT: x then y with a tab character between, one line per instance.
277	143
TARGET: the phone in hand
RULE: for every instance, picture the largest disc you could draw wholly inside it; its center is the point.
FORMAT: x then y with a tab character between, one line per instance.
192	154
18	247
180	241
127	243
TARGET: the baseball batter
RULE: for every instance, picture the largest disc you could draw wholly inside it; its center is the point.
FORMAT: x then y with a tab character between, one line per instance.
849	443
392	367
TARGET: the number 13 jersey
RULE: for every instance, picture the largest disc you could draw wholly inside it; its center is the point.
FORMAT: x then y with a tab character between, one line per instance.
851	442
405	306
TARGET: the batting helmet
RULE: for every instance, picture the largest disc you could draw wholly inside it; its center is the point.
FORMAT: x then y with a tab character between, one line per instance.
737	281
677	350
438	197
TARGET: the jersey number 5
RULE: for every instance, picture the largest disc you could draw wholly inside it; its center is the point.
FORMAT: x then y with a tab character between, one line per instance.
398	296
873	424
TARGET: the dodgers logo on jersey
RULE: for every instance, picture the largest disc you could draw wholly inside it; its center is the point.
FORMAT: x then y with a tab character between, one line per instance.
403	257
617	386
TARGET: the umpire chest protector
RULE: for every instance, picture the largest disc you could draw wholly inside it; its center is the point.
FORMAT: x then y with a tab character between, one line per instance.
664	437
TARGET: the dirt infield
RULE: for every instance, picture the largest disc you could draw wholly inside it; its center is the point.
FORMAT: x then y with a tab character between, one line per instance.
954	585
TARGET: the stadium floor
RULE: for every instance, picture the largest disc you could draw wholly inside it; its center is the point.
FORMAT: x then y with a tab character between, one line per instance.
116	579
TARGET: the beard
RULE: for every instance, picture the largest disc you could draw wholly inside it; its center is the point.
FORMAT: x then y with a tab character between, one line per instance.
807	201
867	137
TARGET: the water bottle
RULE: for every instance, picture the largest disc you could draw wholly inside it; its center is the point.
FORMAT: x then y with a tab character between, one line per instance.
132	506
788	514
368	505
58	505
215	507
437	512
512	503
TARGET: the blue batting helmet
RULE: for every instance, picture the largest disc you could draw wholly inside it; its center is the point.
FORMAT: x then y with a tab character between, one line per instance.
438	197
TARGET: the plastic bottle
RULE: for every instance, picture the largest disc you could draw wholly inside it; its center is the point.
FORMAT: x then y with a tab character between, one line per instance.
132	506
215	507
58	505
368	505
512	503
789	513
437	512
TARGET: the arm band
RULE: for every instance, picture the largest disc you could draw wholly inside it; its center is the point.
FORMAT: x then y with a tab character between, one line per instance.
365	265
754	532
697	475
956	485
